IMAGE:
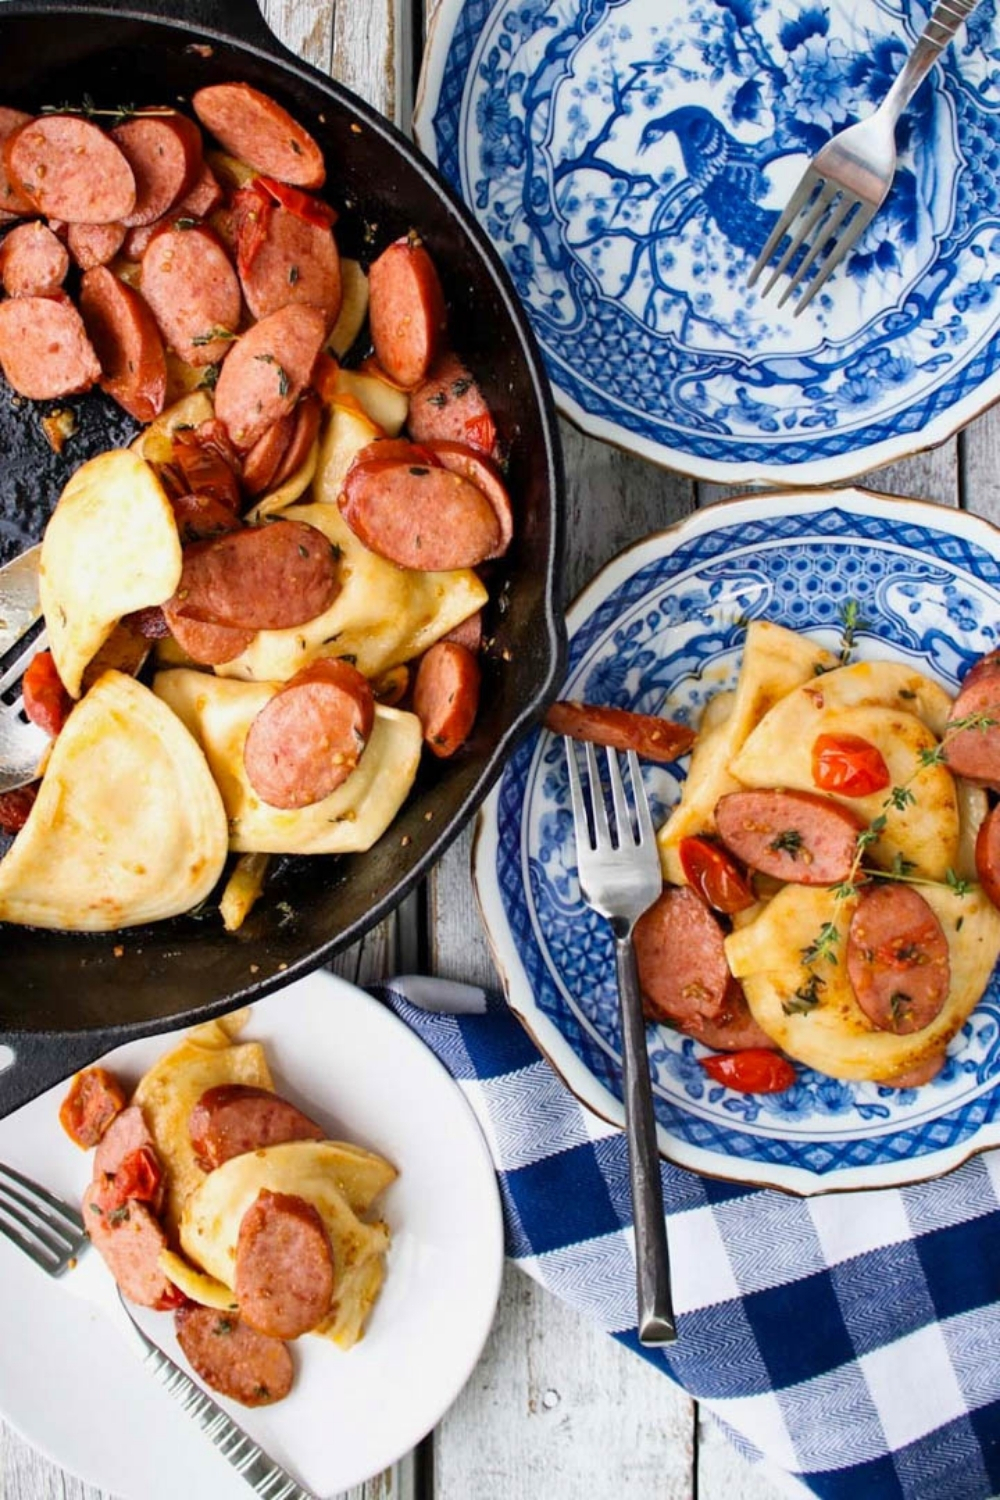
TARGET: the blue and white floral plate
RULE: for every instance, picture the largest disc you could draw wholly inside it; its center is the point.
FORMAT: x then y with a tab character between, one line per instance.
660	630
628	159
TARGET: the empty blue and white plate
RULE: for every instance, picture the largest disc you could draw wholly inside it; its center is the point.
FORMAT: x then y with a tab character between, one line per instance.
628	160
661	629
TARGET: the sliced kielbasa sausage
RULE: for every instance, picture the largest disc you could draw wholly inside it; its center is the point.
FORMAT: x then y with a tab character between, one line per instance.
190	283
619	729
308	415
988	855
94	1099
69	169
44	348
130	1241
794	836
733	1029
295	261
234	1118
284	1266
203	198
164	152
897	958
260	578
449	406
261	464
406	311
128	1132
469	633
209	645
232	1358
446	696
309	737
679	952
127	341
201	517
267	371
974	752
12	203
481	471
419	516
94	244
33	262
255	128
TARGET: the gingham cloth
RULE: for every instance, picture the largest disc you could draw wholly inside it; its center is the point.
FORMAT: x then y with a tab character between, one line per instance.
848	1344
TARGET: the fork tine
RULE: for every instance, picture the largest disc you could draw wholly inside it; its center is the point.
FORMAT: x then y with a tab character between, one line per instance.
40	1195
818	211
806	184
644	817
857	225
580	825
623	815
598	811
21	662
823	238
46	1244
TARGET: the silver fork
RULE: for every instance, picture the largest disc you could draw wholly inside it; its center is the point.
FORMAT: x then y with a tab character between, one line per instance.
21	742
620	878
52	1234
853	172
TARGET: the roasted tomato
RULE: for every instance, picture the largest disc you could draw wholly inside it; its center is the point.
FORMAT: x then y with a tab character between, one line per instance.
481	433
849	765
715	875
755	1071
139	1176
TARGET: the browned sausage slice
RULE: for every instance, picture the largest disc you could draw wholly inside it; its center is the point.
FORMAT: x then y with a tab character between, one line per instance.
419	516
267	371
794	836
308	415
201	517
446	696
234	1118
974	752
128	1132
406	311
295	262
94	244
233	1358
94	1099
988	855
480	471
203	198
130	1241
69	169
12	203
920	1073
897	958
309	737
44	348
127	342
449	406
261	463
260	578
33	262
469	633
190	283
209	645
733	1029
284	1266
679	951
255	128
164	152
620	729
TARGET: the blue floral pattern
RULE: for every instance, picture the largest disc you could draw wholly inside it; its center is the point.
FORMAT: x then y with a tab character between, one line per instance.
662	637
628	163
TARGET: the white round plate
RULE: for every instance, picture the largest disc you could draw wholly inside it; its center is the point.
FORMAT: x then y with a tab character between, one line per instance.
628	160
660	630
72	1386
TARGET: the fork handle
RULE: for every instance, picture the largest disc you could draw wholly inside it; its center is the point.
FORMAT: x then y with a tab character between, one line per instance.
266	1478
652	1258
945	20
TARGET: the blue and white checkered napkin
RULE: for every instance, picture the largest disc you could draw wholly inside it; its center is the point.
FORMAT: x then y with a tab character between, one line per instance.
849	1344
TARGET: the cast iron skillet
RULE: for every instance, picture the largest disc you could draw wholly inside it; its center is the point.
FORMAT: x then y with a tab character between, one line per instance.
65	998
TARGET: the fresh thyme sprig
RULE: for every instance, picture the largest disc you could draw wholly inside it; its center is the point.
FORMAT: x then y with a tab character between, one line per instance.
89	110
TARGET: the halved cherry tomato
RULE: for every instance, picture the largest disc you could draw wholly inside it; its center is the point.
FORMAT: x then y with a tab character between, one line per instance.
139	1176
46	701
755	1071
302	205
172	1298
848	764
714	874
481	432
252	210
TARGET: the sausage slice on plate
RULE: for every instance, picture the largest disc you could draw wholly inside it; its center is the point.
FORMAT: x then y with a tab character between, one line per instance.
234	1118
897	958
233	1358
794	836
284	1266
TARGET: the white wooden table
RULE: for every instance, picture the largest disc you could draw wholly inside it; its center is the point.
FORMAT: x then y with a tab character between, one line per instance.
555	1408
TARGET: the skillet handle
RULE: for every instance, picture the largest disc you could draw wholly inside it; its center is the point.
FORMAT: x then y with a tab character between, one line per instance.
241	20
40	1061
